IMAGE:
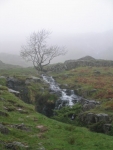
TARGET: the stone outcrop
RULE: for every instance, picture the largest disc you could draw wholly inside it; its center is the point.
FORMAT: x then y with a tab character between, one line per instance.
4	114
57	67
89	118
44	106
21	126
85	61
107	128
88	104
15	145
32	79
17	85
96	122
3	129
17	93
20	87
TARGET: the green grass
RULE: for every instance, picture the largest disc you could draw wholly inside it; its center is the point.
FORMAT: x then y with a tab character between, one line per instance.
18	71
3	81
58	136
84	80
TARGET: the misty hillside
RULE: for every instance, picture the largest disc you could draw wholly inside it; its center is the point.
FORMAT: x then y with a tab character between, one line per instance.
14	60
87	58
97	45
7	66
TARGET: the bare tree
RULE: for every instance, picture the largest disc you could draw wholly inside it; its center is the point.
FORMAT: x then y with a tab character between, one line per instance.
37	50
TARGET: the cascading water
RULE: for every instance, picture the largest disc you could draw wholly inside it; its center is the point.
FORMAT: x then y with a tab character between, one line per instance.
66	97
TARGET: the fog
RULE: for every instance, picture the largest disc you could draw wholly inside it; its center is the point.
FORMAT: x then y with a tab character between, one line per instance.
84	27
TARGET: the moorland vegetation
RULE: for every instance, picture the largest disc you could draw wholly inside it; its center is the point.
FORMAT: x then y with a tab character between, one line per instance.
24	124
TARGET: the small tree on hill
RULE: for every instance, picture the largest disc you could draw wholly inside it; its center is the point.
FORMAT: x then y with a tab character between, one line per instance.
38	52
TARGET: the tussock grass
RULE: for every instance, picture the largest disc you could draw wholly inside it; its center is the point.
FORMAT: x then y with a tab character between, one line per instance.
56	135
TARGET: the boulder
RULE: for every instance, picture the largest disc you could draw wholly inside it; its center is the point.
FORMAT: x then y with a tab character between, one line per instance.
102	117
4	114
97	72
15	145
32	79
1	98
87	119
2	77
22	126
107	128
13	91
89	106
12	82
16	93
3	129
16	85
90	118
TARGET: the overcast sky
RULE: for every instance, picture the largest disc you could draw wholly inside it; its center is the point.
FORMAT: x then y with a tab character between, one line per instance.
65	18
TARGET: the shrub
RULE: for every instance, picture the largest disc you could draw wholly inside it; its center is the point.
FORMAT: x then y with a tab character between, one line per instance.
3	88
71	140
97	127
65	114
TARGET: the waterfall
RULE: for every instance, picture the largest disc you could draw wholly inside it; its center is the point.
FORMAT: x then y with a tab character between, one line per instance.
66	97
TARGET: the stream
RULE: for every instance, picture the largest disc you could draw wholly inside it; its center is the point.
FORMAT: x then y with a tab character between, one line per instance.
66	97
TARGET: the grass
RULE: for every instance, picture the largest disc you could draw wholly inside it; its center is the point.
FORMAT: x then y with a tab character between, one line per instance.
89	84
18	71
95	83
57	136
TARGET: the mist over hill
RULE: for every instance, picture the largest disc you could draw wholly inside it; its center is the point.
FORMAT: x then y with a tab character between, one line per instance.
97	45
14	60
8	66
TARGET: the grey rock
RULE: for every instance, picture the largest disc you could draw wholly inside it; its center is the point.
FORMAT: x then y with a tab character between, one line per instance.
107	128
86	101
3	113
32	79
96	72
91	118
18	86
87	119
22	127
93	90
85	61
12	79
3	129
16	93
13	91
41	147
89	106
15	145
102	117
1	98
2	77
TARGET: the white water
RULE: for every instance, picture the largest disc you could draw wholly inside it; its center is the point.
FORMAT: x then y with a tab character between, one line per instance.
63	96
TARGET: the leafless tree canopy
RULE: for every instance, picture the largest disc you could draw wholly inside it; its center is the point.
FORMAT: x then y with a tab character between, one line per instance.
37	50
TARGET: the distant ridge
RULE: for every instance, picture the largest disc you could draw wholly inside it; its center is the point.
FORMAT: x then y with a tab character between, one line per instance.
8	66
14	60
87	58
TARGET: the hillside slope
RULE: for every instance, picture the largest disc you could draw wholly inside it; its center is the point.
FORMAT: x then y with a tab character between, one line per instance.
14	60
7	66
21	127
